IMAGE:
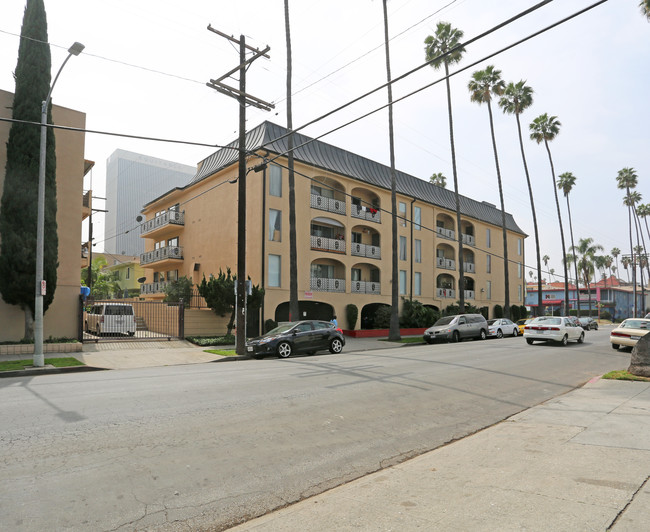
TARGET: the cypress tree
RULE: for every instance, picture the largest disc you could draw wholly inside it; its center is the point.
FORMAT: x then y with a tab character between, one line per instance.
19	204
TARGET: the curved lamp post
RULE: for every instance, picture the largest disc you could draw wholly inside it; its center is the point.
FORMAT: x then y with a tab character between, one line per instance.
39	359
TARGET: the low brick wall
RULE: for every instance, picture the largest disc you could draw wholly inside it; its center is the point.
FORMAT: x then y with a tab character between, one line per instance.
28	349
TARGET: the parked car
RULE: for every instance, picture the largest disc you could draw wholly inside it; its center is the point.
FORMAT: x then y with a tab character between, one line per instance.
307	336
522	323
502	326
554	329
588	323
110	318
456	328
628	332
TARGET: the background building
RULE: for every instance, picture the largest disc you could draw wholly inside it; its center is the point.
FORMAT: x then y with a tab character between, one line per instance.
133	179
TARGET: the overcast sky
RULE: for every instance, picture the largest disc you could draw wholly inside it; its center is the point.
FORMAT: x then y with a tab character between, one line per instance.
146	63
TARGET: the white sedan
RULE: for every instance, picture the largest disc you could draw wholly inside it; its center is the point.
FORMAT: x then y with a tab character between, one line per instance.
554	329
501	327
627	334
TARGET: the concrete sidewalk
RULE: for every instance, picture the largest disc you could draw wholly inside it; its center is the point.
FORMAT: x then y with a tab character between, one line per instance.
577	462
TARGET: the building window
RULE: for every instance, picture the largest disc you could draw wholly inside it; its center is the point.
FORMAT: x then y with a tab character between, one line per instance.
356	238
519	292
402	248
275	225
488	238
489	264
274	270
356	274
402	213
417	282
417	252
417	217
488	290
128	273
275	180
519	246
172	275
402	282
172	242
519	269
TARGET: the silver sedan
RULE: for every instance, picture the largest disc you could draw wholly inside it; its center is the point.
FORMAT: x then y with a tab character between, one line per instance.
501	327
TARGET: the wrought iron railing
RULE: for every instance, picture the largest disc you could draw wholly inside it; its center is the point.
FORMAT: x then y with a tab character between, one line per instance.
365	250
324	284
468	239
328	244
365	287
469	267
469	294
165	218
167	252
366	213
446	233
445	264
446	292
327	204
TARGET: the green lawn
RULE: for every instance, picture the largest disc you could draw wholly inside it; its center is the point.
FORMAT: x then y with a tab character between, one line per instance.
11	365
623	375
406	340
222	352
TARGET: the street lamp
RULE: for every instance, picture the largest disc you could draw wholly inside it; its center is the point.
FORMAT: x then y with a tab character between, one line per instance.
39	359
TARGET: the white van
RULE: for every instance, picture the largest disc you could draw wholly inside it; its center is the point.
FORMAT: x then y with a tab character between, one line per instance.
111	318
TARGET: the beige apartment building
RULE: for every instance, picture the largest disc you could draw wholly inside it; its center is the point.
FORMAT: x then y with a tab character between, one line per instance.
61	318
343	206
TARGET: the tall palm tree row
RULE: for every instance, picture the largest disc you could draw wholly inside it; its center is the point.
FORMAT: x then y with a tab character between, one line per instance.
485	85
631	200
585	255
615	253
627	179
444	48
545	128
565	183
516	98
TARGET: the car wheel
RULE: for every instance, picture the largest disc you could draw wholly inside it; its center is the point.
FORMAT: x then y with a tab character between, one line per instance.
596	327
565	340
483	334
284	350
499	333
515	332
615	346
529	341
582	338
455	337
336	346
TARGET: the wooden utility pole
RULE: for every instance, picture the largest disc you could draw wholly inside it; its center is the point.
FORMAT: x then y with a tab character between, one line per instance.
244	99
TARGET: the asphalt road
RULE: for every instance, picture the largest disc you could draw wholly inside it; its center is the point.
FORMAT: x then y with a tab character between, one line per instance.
207	446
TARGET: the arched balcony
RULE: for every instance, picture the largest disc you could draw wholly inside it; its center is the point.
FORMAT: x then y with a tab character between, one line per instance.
327	234
327	194
365	242
470	292
445	257
445	286
445	226
327	275
467	233
365	205
469	264
365	279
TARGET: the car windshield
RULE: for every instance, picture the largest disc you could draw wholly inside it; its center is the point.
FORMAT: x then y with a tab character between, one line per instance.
635	324
547	321
280	329
445	321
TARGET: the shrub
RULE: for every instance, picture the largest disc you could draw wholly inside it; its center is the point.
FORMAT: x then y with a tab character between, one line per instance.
514	312
485	311
177	290
605	315
382	318
416	315
498	311
523	312
270	324
351	315
204	341
453	310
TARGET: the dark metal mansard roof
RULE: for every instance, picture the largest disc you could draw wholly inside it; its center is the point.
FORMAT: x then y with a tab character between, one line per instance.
319	154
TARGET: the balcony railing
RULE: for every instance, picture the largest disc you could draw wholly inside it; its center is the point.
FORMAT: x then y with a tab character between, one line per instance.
446	292
469	294
469	267
324	284
445	264
166	218
446	233
366	250
327	244
468	239
366	213
365	287
327	204
167	252
153	288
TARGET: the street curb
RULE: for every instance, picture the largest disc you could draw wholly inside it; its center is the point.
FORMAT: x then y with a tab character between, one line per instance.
47	370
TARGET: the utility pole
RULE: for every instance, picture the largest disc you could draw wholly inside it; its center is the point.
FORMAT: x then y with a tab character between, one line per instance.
244	99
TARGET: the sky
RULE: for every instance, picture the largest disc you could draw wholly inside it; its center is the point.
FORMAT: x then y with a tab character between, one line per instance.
146	64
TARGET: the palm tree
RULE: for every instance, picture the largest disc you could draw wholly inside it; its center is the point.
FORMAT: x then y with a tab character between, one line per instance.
294	308
585	254
516	98
393	332
445	48
484	85
438	179
626	180
551	273
626	261
643	211
565	183
615	253
543	129
645	8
